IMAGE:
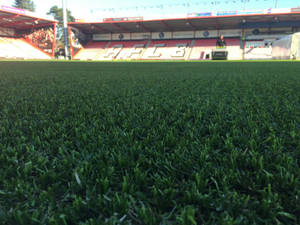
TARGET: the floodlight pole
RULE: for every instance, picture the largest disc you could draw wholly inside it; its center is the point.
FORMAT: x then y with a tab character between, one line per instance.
65	29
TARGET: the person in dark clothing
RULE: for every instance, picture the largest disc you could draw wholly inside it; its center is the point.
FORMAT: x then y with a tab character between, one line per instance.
221	42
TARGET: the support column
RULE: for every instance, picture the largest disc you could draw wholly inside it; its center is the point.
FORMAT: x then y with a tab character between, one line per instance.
66	29
54	40
71	46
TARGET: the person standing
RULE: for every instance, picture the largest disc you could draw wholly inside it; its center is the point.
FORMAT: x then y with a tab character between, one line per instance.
221	42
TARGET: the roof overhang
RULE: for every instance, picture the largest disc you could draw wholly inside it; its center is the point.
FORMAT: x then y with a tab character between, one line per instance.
191	23
11	17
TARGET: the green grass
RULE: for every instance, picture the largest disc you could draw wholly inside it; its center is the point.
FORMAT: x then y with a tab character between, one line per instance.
149	143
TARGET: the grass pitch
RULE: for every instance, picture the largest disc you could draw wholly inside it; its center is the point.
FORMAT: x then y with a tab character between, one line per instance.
149	143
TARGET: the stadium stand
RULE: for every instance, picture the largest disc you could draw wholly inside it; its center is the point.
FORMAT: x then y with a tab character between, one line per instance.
25	35
188	38
248	36
168	49
16	48
131	49
125	50
234	49
163	49
91	51
202	49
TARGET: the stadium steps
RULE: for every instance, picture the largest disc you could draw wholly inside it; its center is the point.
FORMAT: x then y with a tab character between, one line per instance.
234	48
16	48
3	48
11	51
31	51
131	49
108	43
91	51
148	43
112	51
145	49
191	49
124	50
198	49
101	51
168	49
202	49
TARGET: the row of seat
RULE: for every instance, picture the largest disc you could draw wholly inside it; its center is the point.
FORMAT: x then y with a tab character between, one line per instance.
159	49
155	50
17	48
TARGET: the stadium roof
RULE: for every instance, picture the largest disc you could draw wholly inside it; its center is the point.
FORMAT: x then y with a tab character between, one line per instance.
190	23
11	17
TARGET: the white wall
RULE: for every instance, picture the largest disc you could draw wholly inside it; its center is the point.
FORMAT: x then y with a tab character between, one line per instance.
116	37
167	35
140	36
201	33
101	37
183	34
230	33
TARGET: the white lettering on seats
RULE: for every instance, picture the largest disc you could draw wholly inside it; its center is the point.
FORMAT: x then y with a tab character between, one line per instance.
155	53
113	51
180	50
136	49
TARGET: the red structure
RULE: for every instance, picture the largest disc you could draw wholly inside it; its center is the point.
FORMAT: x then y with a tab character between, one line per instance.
21	29
189	38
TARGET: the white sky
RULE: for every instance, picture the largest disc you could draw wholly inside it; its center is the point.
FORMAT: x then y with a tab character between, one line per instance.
103	8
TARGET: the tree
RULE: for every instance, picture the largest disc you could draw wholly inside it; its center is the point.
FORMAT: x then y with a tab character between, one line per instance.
25	4
57	13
